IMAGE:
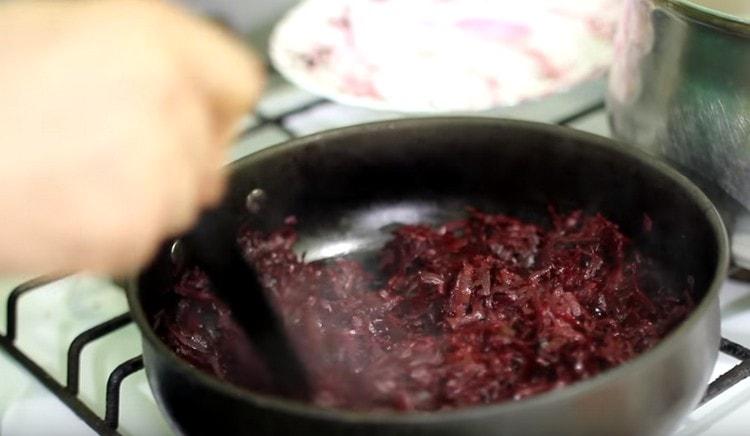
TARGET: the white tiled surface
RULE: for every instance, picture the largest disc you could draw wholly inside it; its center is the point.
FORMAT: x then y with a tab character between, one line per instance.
594	123
51	317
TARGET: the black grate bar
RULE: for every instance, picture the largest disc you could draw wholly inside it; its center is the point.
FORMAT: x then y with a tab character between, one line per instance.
251	130
735	375
739	273
265	120
278	120
266	123
15	295
588	110
112	413
70	400
726	381
85	338
734	349
280	125
299	109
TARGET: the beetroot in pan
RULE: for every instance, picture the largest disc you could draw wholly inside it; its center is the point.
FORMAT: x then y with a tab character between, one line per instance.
480	310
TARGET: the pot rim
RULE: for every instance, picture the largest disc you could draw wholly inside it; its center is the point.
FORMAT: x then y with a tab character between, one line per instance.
664	347
708	16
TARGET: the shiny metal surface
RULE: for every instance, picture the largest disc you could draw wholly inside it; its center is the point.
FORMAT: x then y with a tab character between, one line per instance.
680	89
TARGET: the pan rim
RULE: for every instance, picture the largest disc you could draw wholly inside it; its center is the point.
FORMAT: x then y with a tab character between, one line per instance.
708	16
664	347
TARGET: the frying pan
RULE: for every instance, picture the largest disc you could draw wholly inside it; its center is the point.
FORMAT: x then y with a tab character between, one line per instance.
347	186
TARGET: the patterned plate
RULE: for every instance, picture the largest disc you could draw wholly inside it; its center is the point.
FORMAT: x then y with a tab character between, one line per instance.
443	55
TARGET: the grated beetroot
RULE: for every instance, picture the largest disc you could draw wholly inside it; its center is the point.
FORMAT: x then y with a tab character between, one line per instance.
476	311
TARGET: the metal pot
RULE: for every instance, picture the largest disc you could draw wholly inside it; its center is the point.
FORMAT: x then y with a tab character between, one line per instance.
345	184
680	89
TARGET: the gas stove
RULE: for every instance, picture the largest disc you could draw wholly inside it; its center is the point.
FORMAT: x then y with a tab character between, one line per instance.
70	356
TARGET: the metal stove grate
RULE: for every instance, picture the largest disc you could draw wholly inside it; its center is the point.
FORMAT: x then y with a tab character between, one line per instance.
108	424
68	393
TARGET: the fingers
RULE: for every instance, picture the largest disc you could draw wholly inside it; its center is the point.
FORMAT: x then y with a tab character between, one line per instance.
224	68
228	76
156	94
214	183
221	81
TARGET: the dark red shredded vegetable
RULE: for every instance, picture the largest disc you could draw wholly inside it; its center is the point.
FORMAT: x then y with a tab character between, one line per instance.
476	311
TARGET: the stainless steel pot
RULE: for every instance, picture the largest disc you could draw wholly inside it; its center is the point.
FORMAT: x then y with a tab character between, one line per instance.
430	169
680	88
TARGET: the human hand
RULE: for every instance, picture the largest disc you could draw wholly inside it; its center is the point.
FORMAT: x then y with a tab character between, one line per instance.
113	118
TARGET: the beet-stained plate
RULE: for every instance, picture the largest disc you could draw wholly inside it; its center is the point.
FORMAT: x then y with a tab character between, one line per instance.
443	55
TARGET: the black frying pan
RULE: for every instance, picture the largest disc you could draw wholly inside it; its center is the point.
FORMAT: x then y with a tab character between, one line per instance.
346	185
